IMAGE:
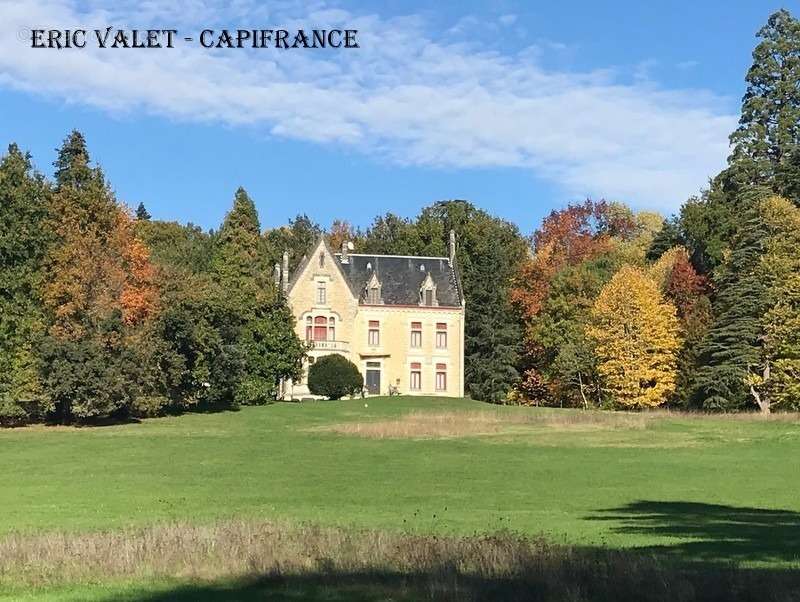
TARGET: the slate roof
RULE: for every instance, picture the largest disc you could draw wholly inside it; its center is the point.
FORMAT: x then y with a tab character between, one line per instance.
401	277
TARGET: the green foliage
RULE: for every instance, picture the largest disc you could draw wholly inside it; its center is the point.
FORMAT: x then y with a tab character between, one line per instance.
334	376
297	238
735	338
264	325
781	323
86	379
23	242
390	234
187	248
142	214
769	127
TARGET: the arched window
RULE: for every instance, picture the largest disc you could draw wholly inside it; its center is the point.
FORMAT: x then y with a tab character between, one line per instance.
309	328
322	259
320	328
331	329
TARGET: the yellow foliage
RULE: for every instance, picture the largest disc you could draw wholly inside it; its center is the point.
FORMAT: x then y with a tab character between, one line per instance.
661	270
636	335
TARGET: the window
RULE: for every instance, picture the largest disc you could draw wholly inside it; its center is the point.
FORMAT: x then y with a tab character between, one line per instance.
322	296
441	377
416	334
416	376
320	328
322	259
374	296
429	297
331	329
374	336
441	335
309	328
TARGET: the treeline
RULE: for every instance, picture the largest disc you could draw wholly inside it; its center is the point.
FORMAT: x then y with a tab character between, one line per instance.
707	314
104	313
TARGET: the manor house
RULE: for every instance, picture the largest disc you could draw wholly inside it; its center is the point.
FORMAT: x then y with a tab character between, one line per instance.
400	319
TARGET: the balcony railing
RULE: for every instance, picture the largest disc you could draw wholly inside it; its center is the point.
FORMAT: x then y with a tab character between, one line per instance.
331	345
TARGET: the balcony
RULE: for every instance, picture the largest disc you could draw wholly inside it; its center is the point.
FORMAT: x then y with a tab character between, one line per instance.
342	346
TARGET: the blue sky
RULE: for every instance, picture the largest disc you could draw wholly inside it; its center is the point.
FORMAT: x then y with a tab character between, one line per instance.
517	106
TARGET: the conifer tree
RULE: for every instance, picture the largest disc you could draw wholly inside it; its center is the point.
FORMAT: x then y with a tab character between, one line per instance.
734	341
142	214
264	332
97	287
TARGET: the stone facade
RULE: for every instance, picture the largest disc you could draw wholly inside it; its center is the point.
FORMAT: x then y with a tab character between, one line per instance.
399	319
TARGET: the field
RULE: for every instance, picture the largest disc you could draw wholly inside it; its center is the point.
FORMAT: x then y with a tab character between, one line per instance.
661	494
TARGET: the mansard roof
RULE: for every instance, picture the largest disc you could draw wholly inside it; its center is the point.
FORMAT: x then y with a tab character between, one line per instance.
401	277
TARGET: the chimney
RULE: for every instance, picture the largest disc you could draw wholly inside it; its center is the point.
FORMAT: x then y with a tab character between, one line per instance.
285	279
452	247
277	273
345	248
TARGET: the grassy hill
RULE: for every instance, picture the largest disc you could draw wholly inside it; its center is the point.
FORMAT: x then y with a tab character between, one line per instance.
708	490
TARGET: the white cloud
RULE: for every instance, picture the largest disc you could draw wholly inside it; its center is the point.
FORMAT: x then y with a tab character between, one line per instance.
406	95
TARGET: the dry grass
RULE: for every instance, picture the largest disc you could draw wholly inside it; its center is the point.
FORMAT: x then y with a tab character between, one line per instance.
436	425
501	566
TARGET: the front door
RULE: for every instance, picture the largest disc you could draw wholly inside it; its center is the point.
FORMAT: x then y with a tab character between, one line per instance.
373	381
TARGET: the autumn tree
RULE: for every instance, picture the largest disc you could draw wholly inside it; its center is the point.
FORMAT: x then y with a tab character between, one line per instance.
340	232
775	381
97	286
636	340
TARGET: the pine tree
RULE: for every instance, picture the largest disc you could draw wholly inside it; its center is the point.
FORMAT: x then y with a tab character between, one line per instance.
142	214
734	341
96	287
769	127
23	241
636	340
264	331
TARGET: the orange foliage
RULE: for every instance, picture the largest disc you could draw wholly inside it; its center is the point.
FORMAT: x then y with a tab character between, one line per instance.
139	295
567	237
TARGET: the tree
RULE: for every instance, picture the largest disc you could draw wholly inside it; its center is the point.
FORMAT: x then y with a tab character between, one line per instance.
390	234
776	381
636	337
297	238
734	341
142	213
264	326
340	232
769	126
23	243
488	256
98	289
765	146
334	376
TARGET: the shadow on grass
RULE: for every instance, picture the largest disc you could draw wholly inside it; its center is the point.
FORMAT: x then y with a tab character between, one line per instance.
599	584
712	533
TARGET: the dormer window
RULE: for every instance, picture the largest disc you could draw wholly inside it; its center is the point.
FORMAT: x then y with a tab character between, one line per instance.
427	292
372	293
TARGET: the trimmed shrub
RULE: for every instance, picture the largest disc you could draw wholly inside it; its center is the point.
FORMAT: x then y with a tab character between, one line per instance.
334	376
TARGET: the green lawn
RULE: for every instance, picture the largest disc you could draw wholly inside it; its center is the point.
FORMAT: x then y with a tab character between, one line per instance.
708	489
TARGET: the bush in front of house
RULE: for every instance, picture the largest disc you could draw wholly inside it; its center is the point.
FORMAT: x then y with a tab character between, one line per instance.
334	376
